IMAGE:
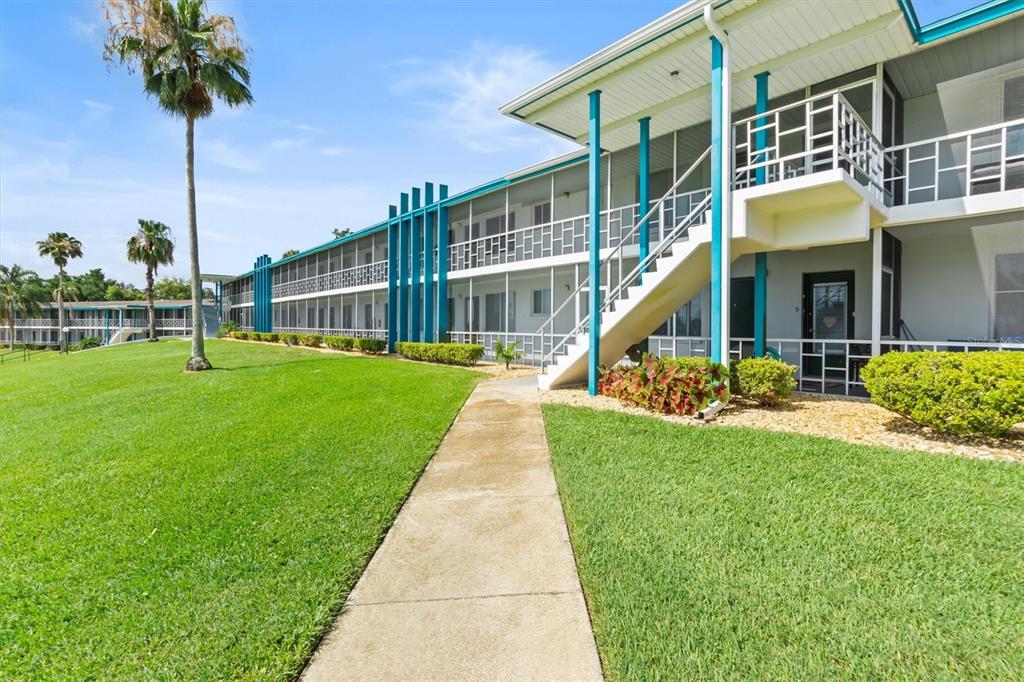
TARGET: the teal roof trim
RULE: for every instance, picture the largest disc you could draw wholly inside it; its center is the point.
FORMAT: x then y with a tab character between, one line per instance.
962	21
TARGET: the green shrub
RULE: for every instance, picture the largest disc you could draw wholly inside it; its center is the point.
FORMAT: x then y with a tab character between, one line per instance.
87	342
952	392
464	354
291	338
226	329
272	337
766	381
312	340
372	346
240	335
665	386
339	342
689	362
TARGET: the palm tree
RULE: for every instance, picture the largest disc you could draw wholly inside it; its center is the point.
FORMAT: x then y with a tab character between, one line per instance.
60	247
16	296
153	247
187	59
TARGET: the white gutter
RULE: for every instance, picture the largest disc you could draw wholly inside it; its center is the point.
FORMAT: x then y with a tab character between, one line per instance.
681	14
726	166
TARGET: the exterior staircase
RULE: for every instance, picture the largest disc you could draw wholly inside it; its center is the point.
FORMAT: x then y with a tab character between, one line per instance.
125	333
673	272
676	278
211	320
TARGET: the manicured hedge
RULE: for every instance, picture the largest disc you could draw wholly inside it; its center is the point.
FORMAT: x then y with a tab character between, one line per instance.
372	346
765	380
312	340
291	338
240	335
952	392
464	354
666	385
339	342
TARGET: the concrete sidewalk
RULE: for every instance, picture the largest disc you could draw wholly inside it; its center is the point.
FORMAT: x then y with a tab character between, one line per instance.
476	579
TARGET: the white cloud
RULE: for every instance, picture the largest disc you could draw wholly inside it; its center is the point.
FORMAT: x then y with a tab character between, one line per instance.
334	151
308	128
286	144
464	93
224	154
86	31
96	111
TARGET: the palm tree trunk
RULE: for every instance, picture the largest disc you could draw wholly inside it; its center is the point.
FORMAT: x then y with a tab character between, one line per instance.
197	362
152	305
10	327
60	311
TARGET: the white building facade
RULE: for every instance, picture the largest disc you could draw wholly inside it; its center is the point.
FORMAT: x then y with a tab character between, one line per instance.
819	181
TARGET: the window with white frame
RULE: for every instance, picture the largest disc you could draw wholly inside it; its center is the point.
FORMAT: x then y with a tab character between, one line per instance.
541	302
1009	298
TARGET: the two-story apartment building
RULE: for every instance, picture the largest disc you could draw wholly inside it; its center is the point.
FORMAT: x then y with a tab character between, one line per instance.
110	321
823	181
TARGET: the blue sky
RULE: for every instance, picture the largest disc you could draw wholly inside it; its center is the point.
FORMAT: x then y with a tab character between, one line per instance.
355	102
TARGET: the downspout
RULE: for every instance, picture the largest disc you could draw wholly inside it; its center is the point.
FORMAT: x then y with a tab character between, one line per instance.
726	169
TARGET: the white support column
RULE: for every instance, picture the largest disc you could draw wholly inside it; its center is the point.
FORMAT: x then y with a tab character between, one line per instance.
469	303
575	286
876	100
876	292
508	302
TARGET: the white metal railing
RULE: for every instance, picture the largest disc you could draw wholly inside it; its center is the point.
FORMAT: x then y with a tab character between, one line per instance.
565	236
827	366
532	346
100	323
816	134
34	322
239	299
360	275
679	230
978	161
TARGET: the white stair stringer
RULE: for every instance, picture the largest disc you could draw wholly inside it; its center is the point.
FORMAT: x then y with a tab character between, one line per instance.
676	278
125	333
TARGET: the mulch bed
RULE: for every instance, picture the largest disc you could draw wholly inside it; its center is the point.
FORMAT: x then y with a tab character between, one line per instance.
854	421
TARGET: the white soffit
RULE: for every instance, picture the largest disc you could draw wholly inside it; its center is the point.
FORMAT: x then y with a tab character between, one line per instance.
799	42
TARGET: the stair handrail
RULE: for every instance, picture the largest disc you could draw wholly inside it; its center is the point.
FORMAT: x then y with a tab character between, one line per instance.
659	207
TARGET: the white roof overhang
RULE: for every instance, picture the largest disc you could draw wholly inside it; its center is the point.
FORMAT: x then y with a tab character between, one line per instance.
663	70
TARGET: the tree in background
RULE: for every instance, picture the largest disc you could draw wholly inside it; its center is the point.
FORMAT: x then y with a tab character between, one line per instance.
152	246
289	253
172	289
119	291
187	60
17	296
339	233
61	247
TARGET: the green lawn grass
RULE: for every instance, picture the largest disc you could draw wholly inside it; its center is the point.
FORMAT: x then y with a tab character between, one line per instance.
737	553
156	524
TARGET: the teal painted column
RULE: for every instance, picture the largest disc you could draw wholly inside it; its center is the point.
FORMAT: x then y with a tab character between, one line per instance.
594	201
761	258
392	278
403	270
429	232
644	192
442	265
716	200
416	225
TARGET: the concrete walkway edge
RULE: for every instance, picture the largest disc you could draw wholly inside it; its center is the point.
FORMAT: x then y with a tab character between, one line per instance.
476	578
